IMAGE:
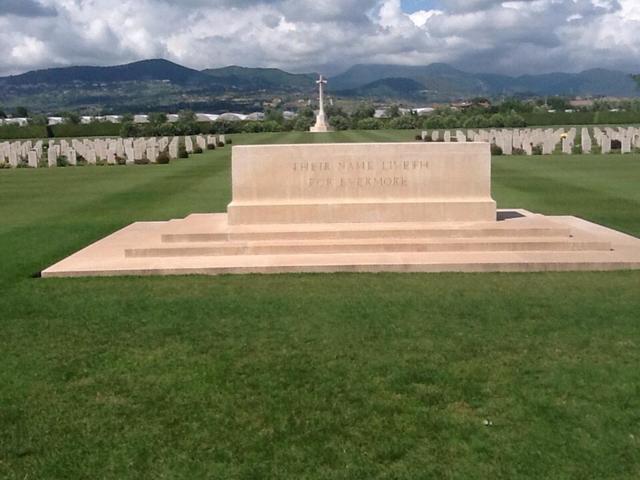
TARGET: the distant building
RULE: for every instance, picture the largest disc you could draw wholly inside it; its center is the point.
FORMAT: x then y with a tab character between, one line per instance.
424	110
581	103
255	116
232	117
380	113
206	117
20	121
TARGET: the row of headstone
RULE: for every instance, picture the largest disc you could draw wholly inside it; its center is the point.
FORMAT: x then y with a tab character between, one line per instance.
104	150
547	141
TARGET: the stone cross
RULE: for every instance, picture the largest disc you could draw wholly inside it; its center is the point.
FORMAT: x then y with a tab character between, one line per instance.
321	83
321	120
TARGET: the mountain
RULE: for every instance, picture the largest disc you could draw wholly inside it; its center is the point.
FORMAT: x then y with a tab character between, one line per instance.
153	85
145	70
438	79
441	81
590	82
244	78
149	85
386	88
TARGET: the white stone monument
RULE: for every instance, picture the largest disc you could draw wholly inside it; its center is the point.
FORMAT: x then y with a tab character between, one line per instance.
322	125
402	207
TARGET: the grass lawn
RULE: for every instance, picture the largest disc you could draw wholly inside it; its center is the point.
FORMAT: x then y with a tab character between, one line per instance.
346	376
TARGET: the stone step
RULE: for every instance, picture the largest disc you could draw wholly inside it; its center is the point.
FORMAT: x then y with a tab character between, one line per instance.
395	233
380	245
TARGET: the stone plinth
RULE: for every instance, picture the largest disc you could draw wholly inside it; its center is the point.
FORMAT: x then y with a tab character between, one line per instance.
356	183
357	208
321	126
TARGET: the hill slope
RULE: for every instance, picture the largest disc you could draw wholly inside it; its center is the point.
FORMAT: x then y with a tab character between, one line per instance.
386	88
261	78
162	85
145	70
444	81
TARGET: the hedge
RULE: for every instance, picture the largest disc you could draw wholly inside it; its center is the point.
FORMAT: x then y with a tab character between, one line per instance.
580	118
99	129
16	131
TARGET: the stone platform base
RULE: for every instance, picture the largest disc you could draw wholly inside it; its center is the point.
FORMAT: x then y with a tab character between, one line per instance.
206	244
320	129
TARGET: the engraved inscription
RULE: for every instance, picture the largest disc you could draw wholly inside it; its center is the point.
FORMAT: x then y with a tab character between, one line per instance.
368	173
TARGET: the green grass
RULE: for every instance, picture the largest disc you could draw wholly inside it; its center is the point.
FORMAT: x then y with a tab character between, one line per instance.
311	376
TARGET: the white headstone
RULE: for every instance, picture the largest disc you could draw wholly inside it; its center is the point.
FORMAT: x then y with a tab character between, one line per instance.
52	156
32	159
585	141
152	154
188	144
71	157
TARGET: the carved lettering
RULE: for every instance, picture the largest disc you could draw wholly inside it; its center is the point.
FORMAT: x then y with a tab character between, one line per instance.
338	174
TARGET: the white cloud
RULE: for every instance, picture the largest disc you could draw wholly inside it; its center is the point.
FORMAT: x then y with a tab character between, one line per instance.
516	36
421	17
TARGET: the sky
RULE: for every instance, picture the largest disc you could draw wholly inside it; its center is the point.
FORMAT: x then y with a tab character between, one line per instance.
509	37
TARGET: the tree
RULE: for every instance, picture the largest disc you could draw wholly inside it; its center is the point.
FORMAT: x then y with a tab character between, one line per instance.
369	124
127	117
71	118
22	112
2	114
253	127
451	121
129	129
497	120
157	118
362	111
406	122
40	120
303	123
273	115
334	111
340	122
271	126
393	111
433	122
557	103
306	112
514	120
187	116
187	123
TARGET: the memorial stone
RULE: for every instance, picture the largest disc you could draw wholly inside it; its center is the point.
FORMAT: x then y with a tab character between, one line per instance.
32	159
152	153
188	144
350	182
625	144
91	156
71	157
129	154
52	156
586	141
173	148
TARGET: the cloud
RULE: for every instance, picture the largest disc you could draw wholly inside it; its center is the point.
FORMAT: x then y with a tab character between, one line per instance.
25	8
512	36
